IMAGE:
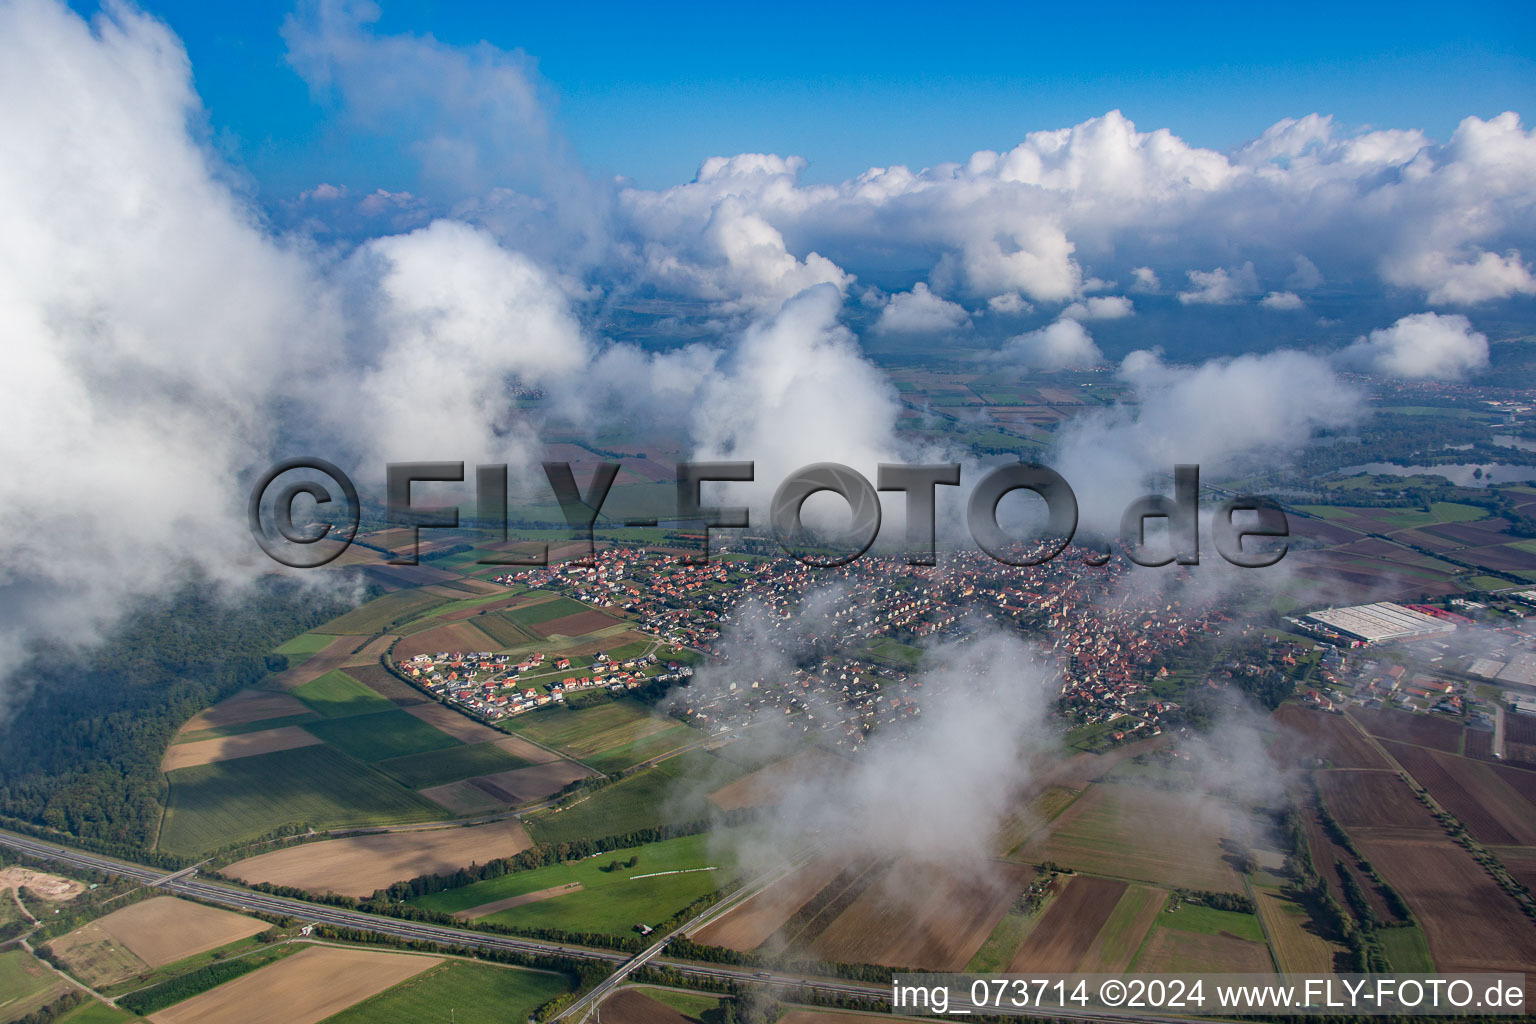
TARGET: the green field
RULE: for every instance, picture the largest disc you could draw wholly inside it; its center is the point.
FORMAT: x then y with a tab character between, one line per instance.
381	736
1191	917
439	767
503	630
693	1005
611	902
97	1013
1119	935
468	993
532	615
1004	941
668	793
337	695
214	805
633	650
1406	949
303	645
381	613
630	754
590	731
25	984
1452	512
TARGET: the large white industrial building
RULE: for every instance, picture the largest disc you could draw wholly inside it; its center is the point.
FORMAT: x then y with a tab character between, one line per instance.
1379	623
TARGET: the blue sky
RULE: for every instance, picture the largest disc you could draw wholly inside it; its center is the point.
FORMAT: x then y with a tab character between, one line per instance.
649	92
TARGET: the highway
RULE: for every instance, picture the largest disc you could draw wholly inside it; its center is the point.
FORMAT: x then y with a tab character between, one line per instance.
243	899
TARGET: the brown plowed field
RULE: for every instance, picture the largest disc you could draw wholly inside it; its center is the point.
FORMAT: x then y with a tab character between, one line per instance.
1307	733
461	798
496	906
630	1006
357	865
749	925
1421	730
227	748
386	684
460	727
523	784
246	706
1519	780
370	654
1471	924
1521	863
456	636
1066	932
304	988
1374	800
579	624
164	929
916	917
1492	812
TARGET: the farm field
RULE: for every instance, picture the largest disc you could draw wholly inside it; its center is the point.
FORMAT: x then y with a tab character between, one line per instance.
611	902
450	764
475	993
635	1006
649	797
767	786
386	684
1297	946
214	805
1468	921
450	637
751	923
383	612
228	748
533	614
1308	733
1198	939
92	1012
1150	835
96	958
1406	949
1492	811
1116	944
358	865
907	917
1376	801
304	988
338	695
590	731
1426	730
303	645
381	736
25	984
164	929
1071	923
243	708
521	785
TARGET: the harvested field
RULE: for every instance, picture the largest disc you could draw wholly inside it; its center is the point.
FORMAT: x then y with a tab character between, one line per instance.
336	654
245	707
460	727
49	887
386	684
523	784
579	624
370	653
228	748
1116	944
95	957
1293	937
526	751
26	985
1379	801
461	798
910	918
1423	730
766	786
1519	780
455	636
1067	931
357	865
381	613
750	924
1521	862
1150	835
496	906
1491	810
1470	923
630	1006
301	989
589	731
1172	951
1306	734
164	929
